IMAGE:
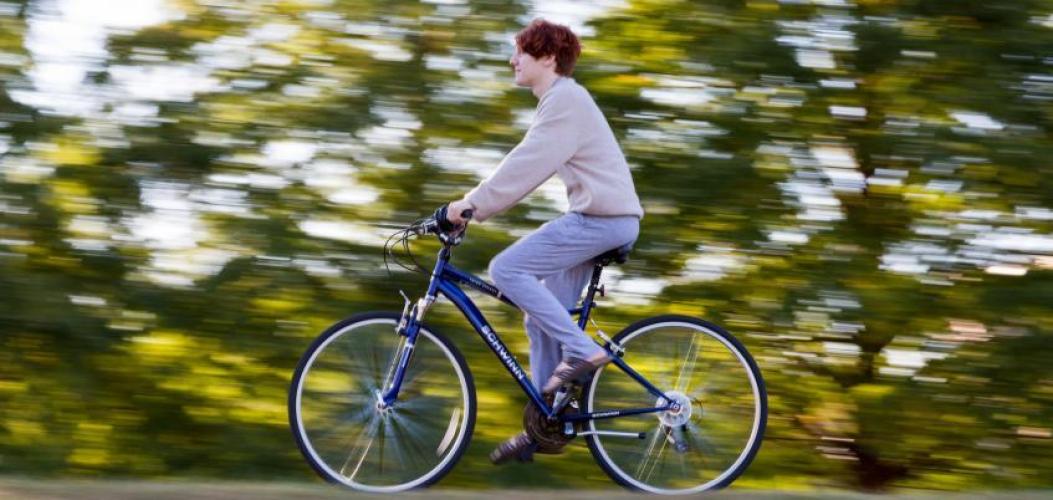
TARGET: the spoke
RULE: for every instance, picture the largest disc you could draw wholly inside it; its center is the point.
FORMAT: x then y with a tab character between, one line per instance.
412	442
697	440
685	471
353	421
657	460
415	431
363	366
708	455
658	435
423	413
688	366
357	455
693	453
420	403
383	447
347	398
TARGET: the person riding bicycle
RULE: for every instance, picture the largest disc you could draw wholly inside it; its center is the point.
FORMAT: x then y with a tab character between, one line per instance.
545	272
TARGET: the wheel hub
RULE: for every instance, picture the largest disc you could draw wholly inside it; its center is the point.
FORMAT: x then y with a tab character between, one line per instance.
380	406
681	410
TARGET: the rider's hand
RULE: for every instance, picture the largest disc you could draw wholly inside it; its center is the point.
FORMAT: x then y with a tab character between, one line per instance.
453	212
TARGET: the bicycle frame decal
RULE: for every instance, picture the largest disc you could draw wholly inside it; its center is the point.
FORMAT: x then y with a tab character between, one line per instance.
502	352
581	417
451	273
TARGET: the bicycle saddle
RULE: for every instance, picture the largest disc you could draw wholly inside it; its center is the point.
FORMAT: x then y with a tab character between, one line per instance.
616	255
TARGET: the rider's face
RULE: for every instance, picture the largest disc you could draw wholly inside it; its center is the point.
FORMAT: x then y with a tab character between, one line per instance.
528	69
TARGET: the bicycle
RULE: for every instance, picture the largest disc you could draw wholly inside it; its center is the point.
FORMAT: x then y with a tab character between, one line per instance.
380	402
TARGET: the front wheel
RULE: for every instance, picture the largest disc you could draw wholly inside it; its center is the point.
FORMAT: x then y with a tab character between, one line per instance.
713	437
351	439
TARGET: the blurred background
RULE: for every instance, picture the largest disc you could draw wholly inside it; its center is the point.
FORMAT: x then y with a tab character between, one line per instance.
860	190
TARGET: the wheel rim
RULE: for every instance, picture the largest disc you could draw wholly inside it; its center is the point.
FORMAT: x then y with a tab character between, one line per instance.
362	444
720	428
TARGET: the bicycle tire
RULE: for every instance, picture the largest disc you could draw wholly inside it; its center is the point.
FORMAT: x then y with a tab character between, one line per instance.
632	463
333	395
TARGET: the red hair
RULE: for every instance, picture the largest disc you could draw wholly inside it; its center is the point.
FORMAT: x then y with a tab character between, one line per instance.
541	38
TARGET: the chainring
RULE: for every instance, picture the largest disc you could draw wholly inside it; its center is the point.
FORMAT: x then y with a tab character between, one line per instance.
548	434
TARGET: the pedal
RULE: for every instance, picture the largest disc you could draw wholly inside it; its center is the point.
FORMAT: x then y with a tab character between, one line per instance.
562	397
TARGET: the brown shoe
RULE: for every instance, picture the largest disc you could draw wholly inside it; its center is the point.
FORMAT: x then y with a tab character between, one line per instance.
520	447
571	369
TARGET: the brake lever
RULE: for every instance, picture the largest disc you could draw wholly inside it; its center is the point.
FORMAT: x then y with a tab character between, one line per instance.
427	227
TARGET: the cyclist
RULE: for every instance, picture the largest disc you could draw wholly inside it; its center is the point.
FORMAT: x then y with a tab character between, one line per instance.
545	271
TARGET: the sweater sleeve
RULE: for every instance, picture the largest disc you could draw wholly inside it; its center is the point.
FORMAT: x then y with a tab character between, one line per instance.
549	143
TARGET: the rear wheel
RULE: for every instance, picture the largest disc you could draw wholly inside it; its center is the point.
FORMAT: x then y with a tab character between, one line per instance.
705	445
348	438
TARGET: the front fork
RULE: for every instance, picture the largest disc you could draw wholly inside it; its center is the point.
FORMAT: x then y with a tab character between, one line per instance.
408	329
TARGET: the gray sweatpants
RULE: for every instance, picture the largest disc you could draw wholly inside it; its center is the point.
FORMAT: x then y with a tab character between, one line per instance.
545	272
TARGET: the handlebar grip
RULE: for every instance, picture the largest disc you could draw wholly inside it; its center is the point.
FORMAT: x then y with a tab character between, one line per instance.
445	225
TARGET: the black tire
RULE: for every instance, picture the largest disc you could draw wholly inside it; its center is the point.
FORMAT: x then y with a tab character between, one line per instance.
343	408
608	382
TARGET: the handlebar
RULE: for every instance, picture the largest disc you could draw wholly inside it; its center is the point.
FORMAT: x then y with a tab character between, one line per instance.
449	234
439	225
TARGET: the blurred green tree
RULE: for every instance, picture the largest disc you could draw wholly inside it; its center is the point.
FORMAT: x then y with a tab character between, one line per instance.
859	190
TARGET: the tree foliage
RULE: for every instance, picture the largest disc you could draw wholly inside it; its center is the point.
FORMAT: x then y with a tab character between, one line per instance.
860	190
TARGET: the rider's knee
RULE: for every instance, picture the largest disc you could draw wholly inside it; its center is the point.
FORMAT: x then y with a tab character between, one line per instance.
499	271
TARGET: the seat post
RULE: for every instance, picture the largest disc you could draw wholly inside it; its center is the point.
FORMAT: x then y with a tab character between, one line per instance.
590	294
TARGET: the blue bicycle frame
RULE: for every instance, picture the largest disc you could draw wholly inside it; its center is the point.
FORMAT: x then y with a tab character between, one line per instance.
445	279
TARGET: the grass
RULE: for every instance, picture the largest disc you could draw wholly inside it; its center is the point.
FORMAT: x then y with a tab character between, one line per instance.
182	489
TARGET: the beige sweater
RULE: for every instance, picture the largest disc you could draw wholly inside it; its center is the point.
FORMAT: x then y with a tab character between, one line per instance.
571	138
